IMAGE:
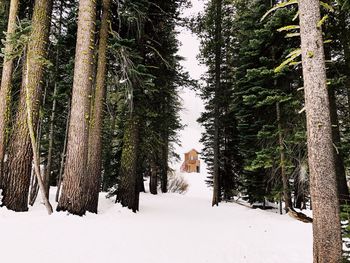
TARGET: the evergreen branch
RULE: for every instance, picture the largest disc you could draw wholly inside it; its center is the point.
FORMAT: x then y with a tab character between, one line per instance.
288	28
327	6
296	16
289	35
322	21
278	6
290	58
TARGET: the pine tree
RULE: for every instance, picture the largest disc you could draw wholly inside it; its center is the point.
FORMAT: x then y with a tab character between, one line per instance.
326	224
95	144
6	81
228	156
73	197
20	153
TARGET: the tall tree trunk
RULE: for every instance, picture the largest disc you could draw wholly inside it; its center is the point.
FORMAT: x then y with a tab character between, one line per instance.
218	40
95	136
6	82
20	154
165	165
323	184
128	189
285	180
73	197
343	190
153	182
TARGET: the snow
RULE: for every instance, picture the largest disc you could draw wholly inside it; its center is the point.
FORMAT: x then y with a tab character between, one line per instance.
171	228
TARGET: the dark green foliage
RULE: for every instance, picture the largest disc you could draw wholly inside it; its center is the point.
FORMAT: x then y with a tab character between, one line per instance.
229	157
250	89
142	84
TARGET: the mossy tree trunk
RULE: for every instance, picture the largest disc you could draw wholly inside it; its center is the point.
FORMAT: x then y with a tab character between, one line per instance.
6	83
323	185
20	152
95	136
73	197
128	188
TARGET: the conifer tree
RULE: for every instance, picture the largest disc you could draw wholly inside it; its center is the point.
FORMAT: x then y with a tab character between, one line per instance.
95	143
326	224
6	82
20	151
73	197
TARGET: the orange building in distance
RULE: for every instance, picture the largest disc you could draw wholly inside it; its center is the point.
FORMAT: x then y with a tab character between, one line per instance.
191	163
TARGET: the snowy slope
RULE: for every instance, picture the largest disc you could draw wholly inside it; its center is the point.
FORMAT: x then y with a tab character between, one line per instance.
170	228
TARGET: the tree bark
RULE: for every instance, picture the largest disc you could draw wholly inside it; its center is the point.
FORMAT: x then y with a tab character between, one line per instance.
153	182
128	189
20	154
6	86
165	167
73	197
95	136
323	185
218	37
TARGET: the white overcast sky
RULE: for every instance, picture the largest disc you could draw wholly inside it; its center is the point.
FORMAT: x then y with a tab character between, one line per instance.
192	104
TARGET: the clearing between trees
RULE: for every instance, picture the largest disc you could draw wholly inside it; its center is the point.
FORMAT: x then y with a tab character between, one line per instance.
171	228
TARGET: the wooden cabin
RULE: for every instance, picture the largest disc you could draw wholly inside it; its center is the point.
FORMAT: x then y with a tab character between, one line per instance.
191	163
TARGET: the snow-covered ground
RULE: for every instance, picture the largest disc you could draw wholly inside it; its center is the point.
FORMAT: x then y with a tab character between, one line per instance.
170	228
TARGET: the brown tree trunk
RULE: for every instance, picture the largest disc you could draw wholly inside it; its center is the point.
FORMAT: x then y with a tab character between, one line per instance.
285	180
6	83
95	136
153	182
323	185
216	175
20	154
128	189
165	167
73	197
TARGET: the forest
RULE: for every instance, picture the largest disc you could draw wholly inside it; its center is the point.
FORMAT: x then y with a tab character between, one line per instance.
90	103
